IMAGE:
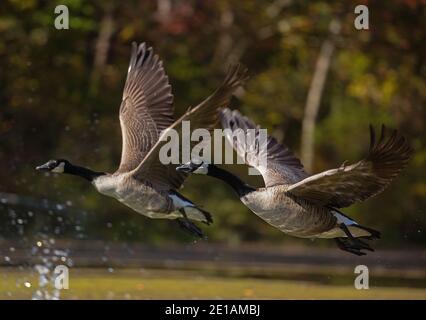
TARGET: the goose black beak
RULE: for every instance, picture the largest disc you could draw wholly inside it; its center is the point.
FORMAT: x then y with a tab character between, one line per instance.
188	167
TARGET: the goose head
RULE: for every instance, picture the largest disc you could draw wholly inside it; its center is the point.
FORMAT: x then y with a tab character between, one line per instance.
57	166
192	167
64	166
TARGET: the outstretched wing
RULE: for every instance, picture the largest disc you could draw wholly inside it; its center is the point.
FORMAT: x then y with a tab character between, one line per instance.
146	108
348	184
282	166
205	115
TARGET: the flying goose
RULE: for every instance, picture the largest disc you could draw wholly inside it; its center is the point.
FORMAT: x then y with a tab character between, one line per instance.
142	182
308	206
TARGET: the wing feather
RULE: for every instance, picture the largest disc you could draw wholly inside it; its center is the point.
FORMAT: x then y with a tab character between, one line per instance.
205	115
283	167
146	108
346	185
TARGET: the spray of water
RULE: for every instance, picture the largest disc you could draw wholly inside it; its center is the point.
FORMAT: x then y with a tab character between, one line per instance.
48	256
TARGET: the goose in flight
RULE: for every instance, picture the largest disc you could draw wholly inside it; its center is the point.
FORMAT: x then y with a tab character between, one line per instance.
308	206
142	182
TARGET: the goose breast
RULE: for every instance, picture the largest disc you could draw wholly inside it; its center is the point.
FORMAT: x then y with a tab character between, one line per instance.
139	196
290	215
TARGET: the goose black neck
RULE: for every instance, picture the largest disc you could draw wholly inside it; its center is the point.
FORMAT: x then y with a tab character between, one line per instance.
240	187
85	173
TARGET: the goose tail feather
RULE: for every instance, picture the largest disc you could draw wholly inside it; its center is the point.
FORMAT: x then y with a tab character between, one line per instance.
189	210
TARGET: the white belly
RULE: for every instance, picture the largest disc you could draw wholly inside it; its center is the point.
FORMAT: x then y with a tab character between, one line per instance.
137	196
147	208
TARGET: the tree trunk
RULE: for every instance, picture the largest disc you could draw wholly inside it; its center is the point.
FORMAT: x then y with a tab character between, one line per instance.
313	100
164	9
102	46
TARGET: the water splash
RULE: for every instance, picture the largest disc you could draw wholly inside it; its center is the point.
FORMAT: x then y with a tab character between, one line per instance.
48	257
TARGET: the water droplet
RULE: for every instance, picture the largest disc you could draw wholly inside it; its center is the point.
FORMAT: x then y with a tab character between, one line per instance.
60	252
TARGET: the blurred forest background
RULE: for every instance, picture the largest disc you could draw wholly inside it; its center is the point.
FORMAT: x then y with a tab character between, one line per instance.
60	92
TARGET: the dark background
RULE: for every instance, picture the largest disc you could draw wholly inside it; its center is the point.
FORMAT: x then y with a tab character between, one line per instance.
60	92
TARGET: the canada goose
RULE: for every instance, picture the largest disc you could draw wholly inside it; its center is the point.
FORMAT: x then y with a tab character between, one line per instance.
308	206
142	182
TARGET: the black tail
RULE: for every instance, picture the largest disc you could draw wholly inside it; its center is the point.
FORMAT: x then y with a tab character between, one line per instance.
207	215
189	210
374	234
191	228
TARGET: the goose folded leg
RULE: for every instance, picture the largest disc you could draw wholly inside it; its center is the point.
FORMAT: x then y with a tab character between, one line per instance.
352	244
346	245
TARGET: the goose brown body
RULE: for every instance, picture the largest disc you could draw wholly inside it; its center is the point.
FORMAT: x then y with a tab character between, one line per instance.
140	196
290	215
142	182
308	206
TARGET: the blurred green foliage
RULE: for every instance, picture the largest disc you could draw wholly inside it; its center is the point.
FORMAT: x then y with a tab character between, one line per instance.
56	102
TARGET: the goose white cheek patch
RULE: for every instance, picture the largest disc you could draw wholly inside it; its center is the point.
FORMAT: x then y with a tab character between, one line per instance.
203	169
59	168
